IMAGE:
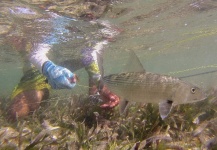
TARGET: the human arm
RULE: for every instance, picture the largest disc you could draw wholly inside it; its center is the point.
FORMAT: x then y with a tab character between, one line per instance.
58	77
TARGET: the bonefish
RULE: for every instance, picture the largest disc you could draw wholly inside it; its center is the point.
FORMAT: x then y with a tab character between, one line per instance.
149	87
153	88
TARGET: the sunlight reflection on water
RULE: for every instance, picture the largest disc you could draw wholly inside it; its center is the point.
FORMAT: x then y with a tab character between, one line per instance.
30	25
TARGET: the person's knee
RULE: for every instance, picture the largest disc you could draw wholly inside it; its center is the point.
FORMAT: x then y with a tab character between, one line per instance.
18	108
34	98
25	103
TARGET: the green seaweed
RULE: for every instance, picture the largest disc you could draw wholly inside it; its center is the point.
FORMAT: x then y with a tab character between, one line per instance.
76	123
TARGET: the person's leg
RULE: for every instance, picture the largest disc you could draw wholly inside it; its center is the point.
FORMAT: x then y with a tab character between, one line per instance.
32	88
28	95
25	103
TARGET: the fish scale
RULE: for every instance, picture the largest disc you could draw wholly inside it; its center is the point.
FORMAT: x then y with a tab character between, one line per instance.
149	87
141	86
137	85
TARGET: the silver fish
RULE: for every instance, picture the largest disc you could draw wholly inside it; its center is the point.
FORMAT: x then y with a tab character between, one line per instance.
149	87
153	88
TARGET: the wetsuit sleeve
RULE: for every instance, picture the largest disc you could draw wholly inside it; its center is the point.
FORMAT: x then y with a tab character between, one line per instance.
38	56
89	54
89	60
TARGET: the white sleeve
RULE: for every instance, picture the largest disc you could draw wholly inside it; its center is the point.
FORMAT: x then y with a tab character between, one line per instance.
38	55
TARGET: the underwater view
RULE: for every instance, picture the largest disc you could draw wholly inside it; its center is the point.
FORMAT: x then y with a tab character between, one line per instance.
108	74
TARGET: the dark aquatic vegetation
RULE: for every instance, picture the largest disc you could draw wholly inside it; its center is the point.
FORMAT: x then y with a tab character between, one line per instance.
67	126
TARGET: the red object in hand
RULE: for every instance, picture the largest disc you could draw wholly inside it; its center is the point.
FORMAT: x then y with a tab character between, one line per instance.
110	99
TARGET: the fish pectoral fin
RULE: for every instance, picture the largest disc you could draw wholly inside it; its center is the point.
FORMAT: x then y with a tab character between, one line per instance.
165	108
123	107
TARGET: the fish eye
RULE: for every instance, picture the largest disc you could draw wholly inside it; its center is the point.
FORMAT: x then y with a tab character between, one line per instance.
193	90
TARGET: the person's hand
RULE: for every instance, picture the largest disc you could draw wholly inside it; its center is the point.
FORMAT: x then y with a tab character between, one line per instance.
58	77
110	100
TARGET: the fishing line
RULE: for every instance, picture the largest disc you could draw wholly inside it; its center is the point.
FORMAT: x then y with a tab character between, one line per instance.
85	86
197	35
198	74
196	68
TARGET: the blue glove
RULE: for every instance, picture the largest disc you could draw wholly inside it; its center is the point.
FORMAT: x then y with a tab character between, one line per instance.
58	77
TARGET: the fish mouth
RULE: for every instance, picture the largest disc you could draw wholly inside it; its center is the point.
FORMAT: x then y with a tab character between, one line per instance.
198	100
205	96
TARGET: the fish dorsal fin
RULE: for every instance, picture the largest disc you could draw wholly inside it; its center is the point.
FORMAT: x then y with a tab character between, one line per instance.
118	62
165	108
133	63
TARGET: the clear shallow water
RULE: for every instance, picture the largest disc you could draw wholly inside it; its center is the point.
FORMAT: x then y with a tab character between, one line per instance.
169	37
33	25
